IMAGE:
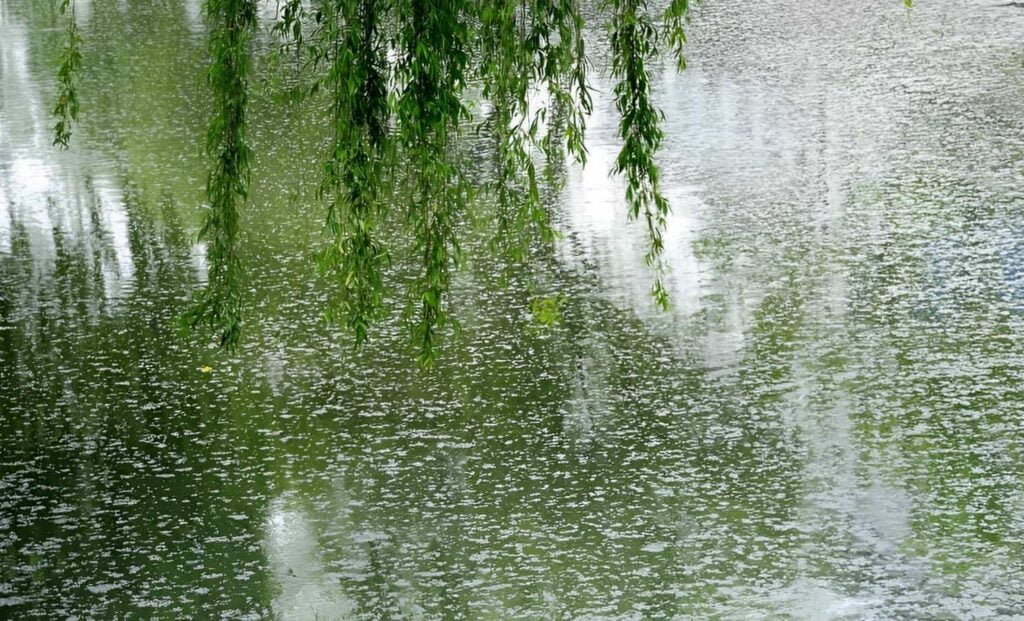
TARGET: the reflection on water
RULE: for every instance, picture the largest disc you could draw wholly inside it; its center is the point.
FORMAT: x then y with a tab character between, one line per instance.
53	200
826	425
293	554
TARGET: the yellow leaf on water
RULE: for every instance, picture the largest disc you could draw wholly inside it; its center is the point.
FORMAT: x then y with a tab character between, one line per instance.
206	369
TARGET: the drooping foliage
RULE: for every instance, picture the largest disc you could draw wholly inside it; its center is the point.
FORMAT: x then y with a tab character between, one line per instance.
395	77
218	305
395	74
66	109
357	81
634	44
431	71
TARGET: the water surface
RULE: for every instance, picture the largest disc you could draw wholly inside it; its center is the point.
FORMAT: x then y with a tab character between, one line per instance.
828	424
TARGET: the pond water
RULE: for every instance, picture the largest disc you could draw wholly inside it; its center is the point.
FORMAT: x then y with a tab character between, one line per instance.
828	423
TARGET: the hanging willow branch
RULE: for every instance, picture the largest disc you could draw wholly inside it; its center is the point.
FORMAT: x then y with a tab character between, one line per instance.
392	75
634	44
66	109
527	48
433	39
508	71
218	305
357	78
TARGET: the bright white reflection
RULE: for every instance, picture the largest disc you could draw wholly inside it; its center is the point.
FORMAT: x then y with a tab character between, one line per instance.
194	14
5	221
305	589
83	12
598	235
118	274
197	254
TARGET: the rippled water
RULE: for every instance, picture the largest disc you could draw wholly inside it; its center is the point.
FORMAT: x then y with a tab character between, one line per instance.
829	423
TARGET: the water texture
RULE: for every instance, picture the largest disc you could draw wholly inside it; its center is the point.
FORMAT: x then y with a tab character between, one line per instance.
828	423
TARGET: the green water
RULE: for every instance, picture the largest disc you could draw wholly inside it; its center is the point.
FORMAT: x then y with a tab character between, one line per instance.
828	424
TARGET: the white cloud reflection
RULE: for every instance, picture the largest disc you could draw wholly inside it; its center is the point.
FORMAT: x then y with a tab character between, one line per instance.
45	192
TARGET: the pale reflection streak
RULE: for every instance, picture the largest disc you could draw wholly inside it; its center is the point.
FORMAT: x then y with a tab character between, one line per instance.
722	129
5	221
306	590
595	215
83	12
596	211
194	14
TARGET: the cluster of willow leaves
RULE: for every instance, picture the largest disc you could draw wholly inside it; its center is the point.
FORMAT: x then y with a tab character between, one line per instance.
394	75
